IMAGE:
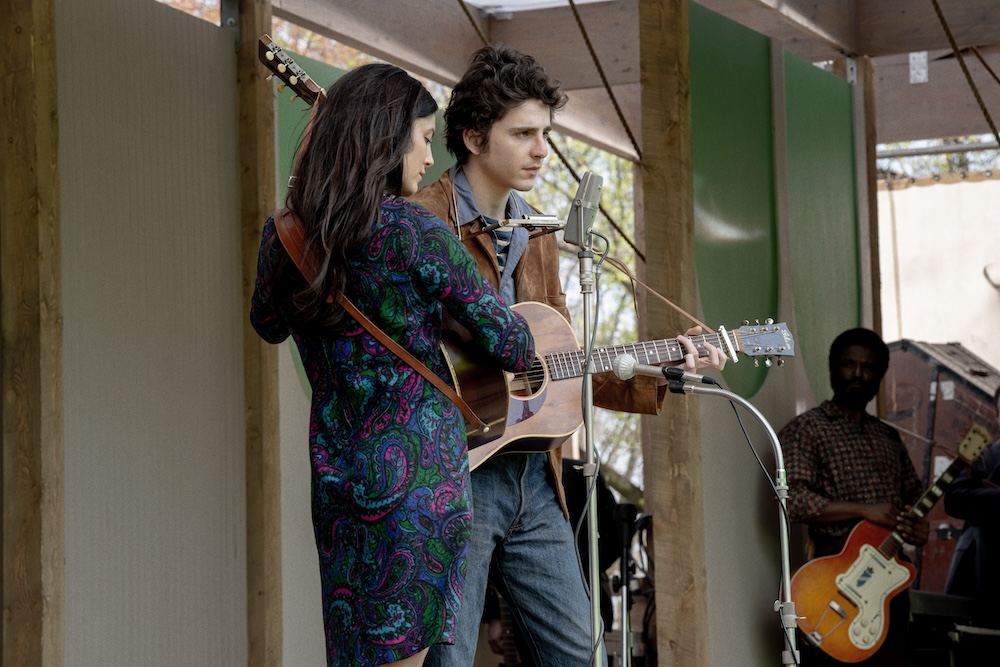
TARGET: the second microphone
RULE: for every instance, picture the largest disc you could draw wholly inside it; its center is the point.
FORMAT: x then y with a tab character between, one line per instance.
627	367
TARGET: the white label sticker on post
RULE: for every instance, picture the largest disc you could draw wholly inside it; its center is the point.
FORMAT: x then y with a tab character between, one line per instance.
918	67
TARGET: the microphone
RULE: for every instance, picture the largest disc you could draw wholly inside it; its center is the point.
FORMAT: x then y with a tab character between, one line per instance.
531	222
581	214
542	224
626	367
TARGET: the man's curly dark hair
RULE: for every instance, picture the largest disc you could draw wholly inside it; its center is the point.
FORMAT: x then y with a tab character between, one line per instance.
498	79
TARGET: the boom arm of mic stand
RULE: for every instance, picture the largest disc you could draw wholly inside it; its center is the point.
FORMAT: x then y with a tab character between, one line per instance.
546	224
789	656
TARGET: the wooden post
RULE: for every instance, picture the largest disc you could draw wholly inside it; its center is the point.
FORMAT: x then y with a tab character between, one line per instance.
867	180
258	173
31	344
862	80
673	477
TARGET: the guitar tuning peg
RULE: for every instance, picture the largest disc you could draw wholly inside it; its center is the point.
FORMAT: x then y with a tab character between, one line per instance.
293	98
769	321
757	322
781	362
281	68
269	55
745	323
767	362
756	363
268	77
281	87
293	80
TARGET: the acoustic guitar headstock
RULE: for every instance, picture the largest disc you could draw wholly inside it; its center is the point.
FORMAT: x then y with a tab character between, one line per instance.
285	68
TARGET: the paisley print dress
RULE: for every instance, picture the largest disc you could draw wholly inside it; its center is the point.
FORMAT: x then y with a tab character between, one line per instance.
390	478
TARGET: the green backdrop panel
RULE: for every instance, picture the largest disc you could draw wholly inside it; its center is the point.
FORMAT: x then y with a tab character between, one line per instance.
732	147
822	213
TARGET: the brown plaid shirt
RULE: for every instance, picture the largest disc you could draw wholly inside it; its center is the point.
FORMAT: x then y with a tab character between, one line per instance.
830	458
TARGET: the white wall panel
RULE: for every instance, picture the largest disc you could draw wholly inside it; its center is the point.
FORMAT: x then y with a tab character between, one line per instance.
935	239
154	431
303	642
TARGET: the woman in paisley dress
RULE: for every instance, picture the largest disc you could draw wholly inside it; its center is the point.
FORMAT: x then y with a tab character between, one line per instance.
390	477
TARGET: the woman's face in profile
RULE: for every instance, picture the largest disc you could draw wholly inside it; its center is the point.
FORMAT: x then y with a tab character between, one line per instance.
419	157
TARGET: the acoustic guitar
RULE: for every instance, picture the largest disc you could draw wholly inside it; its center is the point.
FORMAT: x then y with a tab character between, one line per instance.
538	409
842	601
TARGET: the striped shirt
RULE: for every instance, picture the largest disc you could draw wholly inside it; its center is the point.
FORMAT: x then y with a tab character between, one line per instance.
501	240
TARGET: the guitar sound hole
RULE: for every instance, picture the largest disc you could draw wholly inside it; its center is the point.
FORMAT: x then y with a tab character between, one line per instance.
529	382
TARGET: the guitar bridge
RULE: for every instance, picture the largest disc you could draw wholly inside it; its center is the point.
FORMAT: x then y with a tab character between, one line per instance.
816	637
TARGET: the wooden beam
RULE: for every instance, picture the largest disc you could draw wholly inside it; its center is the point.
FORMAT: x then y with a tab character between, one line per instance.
432	38
825	30
258	175
903	26
866	175
439	39
944	106
812	30
30	340
673	475
555	39
590	117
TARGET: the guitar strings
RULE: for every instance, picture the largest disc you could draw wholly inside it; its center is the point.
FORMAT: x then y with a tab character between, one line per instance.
561	364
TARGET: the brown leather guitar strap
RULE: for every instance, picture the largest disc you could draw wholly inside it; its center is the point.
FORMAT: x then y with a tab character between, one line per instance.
292	236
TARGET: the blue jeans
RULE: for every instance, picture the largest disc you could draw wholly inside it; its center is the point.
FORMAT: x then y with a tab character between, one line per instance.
522	541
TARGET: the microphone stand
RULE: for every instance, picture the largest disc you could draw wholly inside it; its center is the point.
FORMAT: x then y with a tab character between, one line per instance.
578	232
790	655
586	256
626	514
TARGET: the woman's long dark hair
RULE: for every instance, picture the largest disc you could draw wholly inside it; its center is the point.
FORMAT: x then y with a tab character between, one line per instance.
350	159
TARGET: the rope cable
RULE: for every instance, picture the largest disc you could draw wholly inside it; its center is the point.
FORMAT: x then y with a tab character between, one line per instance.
965	69
475	26
604	79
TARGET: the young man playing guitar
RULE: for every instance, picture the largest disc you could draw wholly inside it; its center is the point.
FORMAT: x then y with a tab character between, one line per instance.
498	121
845	465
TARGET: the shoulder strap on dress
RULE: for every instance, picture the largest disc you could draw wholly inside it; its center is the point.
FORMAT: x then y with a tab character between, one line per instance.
292	235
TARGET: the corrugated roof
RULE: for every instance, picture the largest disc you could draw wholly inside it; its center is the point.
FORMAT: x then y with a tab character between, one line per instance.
958	360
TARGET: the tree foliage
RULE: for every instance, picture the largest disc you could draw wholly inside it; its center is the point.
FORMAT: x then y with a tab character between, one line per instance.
938	161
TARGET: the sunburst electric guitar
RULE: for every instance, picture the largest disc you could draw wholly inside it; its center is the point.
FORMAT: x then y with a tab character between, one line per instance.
842	601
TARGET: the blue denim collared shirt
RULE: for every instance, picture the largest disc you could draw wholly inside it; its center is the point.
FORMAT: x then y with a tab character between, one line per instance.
468	212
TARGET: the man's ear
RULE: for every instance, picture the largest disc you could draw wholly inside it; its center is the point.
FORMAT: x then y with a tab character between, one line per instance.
473	141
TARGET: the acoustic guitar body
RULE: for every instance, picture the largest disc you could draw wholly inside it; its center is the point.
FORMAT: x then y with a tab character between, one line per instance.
527	412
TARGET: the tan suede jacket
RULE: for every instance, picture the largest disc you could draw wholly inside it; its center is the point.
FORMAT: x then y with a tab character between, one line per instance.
536	278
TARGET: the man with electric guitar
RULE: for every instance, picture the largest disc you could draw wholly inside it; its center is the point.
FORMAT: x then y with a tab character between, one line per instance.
848	470
497	124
